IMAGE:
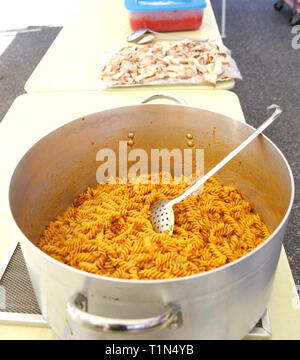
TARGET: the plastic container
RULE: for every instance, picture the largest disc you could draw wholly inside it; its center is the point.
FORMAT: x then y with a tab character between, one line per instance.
165	15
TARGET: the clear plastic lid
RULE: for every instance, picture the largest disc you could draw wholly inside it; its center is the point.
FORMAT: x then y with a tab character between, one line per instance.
156	5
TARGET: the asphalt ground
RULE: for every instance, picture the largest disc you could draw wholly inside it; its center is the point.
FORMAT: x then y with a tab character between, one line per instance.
261	41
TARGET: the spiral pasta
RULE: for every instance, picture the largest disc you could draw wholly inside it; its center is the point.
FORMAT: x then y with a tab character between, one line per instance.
107	231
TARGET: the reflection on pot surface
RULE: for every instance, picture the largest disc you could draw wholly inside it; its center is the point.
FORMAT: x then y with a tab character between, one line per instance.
210	302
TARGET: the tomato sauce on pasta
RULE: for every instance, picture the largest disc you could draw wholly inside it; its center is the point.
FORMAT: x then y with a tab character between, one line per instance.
107	231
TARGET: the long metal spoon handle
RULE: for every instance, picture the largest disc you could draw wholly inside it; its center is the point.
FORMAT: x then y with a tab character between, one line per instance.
231	155
175	37
185	38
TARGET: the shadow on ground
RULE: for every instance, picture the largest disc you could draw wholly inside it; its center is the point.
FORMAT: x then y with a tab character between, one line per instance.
20	59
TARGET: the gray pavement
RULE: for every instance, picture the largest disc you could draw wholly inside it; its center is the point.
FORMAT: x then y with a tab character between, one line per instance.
261	42
260	39
20	58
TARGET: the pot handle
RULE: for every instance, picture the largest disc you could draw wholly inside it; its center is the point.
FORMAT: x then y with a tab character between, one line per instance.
162	95
77	310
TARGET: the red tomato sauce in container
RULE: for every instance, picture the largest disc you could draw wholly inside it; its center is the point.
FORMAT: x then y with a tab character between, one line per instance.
162	15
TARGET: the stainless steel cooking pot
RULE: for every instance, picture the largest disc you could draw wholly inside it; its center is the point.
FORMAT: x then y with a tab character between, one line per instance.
224	303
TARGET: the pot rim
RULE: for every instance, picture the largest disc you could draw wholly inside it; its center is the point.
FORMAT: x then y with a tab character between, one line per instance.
160	281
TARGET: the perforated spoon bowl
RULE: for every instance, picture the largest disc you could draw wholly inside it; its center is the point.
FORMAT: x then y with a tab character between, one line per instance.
162	215
136	35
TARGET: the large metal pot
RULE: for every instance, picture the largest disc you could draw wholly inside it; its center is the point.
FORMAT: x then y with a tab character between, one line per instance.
224	303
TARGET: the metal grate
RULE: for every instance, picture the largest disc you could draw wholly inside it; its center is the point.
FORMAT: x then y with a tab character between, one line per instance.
17	292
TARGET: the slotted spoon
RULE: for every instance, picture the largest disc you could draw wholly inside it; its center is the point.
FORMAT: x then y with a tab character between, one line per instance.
162	215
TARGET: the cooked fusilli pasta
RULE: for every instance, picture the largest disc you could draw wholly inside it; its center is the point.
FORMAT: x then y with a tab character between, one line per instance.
107	231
